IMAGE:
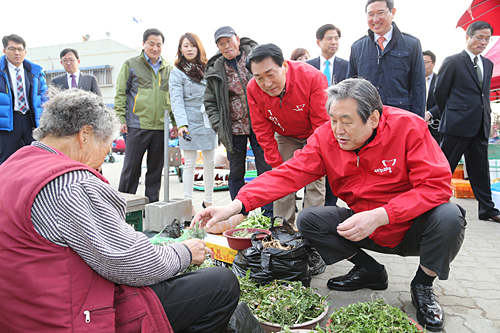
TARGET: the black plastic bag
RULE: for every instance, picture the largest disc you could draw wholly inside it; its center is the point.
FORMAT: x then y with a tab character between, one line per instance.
316	264
243	321
267	265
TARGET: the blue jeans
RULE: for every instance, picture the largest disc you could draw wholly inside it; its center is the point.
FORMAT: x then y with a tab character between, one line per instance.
237	162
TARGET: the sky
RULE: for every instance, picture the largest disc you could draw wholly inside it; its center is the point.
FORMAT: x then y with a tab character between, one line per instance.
288	24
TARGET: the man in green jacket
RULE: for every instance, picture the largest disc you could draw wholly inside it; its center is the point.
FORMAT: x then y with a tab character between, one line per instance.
141	102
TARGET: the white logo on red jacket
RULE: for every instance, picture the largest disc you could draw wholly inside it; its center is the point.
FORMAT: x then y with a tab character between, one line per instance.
275	120
299	108
387	166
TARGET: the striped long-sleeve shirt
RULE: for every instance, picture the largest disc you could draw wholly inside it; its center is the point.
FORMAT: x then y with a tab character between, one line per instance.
79	210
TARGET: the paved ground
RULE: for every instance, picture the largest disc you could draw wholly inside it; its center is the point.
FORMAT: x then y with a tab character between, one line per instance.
470	297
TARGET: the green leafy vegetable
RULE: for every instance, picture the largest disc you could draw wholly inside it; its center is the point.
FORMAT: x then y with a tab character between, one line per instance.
376	316
282	302
242	233
258	221
206	264
197	232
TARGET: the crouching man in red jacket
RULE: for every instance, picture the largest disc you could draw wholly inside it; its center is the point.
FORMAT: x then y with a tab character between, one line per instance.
385	165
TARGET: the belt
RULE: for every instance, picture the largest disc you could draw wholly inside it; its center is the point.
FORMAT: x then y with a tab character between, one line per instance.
19	112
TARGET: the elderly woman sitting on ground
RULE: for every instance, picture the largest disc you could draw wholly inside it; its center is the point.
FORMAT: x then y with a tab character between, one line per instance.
70	262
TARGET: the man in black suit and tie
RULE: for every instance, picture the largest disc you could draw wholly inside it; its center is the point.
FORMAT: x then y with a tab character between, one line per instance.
334	68
73	78
432	111
462	96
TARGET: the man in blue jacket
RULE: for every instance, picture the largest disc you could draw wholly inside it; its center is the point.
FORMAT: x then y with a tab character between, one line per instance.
22	92
391	60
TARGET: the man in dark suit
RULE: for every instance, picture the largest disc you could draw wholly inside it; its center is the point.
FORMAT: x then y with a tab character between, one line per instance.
335	68
432	111
73	78
462	96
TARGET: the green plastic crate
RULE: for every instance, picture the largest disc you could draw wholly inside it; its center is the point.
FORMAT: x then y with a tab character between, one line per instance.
134	219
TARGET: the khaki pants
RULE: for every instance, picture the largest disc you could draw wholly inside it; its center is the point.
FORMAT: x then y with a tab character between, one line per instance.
315	191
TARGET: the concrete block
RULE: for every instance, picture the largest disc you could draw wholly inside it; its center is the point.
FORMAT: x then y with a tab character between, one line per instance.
159	214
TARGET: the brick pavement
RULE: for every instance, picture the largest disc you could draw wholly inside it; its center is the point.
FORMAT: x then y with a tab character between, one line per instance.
470	297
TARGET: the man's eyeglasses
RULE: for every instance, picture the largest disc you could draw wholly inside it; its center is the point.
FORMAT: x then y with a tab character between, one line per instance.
482	39
14	49
68	61
380	13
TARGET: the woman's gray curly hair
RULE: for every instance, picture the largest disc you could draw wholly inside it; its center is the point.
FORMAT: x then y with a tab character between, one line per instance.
67	111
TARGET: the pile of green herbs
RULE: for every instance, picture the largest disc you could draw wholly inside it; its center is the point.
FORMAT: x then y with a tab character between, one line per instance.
282	302
376	316
258	221
208	262
317	329
194	232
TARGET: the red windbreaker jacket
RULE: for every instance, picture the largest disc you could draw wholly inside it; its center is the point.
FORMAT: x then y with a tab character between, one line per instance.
402	170
297	114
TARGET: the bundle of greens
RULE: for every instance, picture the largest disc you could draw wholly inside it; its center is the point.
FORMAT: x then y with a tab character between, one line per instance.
375	316
258	221
197	232
206	264
282	302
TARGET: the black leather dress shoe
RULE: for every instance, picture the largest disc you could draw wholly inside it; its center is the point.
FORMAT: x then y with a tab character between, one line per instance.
495	218
429	313
359	278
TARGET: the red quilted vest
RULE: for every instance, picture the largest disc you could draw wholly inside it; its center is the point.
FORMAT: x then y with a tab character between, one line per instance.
45	287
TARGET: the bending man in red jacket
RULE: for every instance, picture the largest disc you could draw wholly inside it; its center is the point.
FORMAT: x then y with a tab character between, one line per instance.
385	165
287	103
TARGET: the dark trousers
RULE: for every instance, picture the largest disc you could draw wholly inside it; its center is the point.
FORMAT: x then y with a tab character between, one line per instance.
436	236
20	136
475	150
330	199
138	141
201	301
237	165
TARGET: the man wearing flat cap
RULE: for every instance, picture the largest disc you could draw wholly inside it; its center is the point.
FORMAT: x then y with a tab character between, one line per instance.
227	106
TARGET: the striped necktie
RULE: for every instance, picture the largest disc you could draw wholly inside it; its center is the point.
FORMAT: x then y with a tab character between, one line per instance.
21	98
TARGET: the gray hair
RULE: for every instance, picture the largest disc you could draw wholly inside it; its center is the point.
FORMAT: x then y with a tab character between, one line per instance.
360	90
67	111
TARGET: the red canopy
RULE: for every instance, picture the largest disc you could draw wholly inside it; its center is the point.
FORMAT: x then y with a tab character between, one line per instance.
494	55
482	10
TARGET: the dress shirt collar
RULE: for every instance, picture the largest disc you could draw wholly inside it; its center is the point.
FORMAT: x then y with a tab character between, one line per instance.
472	56
12	68
430	76
387	36
158	63
323	59
77	75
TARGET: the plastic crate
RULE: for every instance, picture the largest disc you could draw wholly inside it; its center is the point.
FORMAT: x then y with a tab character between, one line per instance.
461	189
134	219
458	174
